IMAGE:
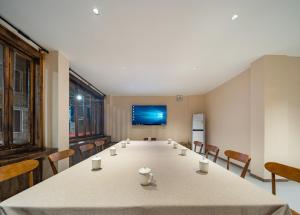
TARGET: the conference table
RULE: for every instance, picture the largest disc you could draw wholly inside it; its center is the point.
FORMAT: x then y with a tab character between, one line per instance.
178	187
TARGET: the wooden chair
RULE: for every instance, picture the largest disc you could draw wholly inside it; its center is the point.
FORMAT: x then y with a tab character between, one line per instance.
213	150
239	157
57	156
86	149
199	144
285	171
151	138
99	145
13	170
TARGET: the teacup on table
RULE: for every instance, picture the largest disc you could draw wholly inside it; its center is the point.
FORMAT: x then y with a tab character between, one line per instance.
96	163
169	141
128	141
123	144
183	151
146	176
203	164
113	151
175	145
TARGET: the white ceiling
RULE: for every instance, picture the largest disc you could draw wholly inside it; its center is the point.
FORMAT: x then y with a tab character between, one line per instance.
159	47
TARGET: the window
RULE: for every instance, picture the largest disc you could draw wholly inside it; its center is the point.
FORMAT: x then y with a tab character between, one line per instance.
20	93
17	125
18	81
86	111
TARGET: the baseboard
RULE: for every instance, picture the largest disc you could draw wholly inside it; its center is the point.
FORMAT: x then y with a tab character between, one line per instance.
253	175
268	180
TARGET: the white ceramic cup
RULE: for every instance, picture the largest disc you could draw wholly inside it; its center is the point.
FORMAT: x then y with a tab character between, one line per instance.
183	151
146	176
123	143
175	145
128	141
113	151
169	141
203	165
96	162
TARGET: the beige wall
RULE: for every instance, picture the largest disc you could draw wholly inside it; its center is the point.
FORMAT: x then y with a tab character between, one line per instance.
57	104
258	113
282	109
257	128
228	115
179	124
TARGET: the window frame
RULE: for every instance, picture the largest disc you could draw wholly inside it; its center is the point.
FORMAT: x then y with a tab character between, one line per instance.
86	90
13	45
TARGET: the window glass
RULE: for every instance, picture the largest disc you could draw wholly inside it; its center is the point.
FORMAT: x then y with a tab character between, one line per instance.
21	93
87	107
72	110
85	112
80	112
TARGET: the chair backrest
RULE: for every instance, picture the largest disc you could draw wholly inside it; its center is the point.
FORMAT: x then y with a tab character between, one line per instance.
99	144
153	138
59	156
86	148
211	149
200	144
239	157
13	170
282	170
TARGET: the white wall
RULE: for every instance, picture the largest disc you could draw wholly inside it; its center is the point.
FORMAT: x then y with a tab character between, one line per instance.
257	127
282	109
179	122
258	113
227	109
57	103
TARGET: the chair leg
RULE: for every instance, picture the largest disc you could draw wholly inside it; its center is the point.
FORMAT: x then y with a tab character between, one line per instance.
30	179
245	169
216	156
273	184
201	147
228	163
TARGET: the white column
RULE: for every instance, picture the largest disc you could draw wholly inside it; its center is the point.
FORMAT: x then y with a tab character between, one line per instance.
57	103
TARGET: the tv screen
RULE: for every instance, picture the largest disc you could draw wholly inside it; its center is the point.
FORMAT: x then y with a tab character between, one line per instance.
149	114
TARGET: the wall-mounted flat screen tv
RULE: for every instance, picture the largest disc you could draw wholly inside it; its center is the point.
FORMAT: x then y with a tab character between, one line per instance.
149	114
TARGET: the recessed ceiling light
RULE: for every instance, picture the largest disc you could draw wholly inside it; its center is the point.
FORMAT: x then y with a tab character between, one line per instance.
96	11
234	17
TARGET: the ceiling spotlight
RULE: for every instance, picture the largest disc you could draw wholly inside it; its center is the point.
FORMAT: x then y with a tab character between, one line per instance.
79	97
234	17
96	11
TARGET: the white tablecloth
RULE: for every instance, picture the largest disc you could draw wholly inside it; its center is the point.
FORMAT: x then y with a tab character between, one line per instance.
179	187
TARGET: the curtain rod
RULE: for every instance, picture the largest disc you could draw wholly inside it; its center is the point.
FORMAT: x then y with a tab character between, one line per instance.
87	82
23	34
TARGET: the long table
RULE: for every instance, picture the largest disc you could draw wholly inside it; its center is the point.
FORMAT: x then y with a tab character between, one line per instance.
178	188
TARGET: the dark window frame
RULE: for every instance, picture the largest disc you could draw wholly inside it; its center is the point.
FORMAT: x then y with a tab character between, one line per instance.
13	45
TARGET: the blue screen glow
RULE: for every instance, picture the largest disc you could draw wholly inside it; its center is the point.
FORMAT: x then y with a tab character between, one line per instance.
149	114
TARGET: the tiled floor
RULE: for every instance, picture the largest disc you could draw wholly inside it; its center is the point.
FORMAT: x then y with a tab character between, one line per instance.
287	191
